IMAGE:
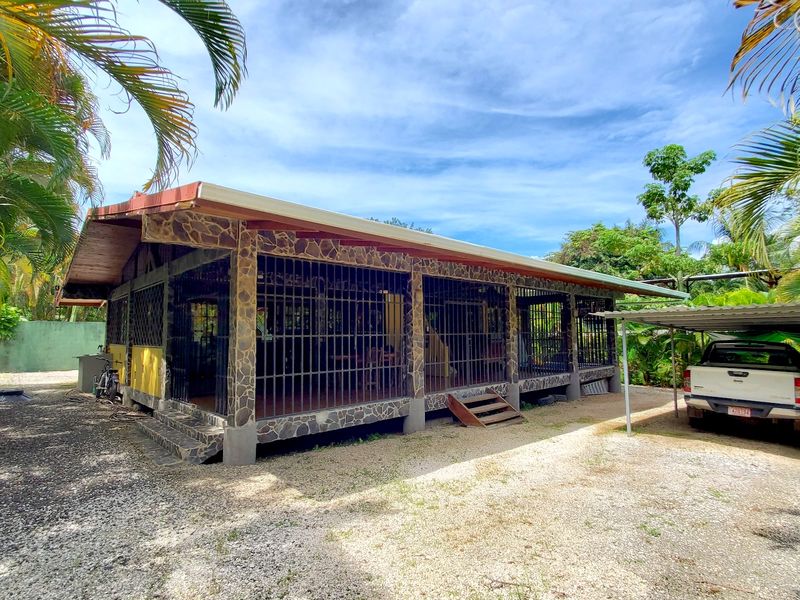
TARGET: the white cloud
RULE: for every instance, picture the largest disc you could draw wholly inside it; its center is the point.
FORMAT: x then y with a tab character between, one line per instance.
507	123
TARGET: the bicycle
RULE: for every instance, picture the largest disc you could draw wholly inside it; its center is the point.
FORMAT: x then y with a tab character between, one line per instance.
107	384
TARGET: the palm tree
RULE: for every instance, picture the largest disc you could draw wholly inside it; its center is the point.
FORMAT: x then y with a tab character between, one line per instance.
769	165
45	39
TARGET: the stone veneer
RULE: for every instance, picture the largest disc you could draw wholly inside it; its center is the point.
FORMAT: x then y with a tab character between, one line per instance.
414	330
596	373
546	382
190	229
292	426
438	400
242	331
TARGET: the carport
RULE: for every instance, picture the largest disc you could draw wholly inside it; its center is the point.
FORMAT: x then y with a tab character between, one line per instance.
727	319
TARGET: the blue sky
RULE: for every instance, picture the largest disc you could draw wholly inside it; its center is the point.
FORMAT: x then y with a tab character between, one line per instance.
503	123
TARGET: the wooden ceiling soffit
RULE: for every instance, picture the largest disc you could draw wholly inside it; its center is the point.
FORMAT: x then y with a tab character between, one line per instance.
101	252
189	228
261	225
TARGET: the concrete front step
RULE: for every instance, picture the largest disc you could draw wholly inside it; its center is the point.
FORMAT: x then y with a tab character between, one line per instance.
199	414
183	446
189	425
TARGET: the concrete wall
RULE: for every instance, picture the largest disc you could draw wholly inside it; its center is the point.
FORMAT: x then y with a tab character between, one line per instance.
49	345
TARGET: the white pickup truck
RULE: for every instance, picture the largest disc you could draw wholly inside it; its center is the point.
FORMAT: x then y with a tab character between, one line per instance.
744	379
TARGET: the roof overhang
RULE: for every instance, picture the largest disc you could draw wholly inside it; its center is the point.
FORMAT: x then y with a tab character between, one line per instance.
754	317
262	212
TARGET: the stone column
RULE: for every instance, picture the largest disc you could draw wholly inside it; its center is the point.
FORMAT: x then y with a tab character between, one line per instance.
512	348
414	325
240	441
574	387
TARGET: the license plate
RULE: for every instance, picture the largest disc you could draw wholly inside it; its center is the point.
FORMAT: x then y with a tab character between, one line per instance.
738	411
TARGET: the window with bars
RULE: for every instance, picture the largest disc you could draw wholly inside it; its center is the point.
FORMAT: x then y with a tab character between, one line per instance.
327	335
146	317
465	329
117	321
594	334
198	336
543	335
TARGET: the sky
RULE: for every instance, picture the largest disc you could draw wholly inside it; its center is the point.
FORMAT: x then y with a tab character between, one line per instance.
502	123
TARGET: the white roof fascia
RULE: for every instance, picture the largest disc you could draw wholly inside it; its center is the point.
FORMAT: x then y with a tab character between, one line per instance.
291	210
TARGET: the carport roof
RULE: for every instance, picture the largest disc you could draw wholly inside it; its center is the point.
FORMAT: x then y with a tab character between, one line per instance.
753	317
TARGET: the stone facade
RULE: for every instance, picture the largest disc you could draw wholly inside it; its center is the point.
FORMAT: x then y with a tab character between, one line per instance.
292	426
512	339
438	400
586	375
546	382
242	331
414	324
190	229
286	243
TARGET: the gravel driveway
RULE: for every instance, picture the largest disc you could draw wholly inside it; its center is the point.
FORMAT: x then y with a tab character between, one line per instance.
563	506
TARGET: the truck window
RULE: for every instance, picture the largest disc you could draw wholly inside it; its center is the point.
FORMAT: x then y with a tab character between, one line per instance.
766	358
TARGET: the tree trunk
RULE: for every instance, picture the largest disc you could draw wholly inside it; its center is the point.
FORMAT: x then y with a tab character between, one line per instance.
677	238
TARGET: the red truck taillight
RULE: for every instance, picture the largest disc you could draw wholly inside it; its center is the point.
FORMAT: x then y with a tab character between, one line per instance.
687	382
797	390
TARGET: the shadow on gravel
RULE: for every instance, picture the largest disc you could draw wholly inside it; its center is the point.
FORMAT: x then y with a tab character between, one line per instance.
765	436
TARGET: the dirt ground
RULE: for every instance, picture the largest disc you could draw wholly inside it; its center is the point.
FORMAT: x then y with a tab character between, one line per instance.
563	506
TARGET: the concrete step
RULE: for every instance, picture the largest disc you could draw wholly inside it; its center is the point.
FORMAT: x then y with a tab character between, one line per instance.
193	411
185	447
189	425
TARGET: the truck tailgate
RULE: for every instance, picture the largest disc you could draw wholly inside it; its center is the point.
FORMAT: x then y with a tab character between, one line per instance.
736	383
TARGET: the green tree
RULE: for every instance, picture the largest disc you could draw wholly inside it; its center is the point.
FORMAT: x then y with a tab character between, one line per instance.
669	198
631	251
399	223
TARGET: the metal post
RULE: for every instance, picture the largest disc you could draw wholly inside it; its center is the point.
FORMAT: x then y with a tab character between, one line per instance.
674	375
625	377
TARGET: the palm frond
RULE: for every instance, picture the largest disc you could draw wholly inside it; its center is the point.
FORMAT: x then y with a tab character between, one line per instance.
88	28
224	39
53	215
769	168
788	289
767	55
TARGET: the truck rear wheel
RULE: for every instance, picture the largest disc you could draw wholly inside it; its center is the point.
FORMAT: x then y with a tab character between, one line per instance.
696	422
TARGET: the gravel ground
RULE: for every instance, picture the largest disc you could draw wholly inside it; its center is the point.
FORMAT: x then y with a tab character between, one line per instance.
563	506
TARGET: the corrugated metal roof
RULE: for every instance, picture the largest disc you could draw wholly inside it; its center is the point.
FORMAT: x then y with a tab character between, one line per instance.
753	317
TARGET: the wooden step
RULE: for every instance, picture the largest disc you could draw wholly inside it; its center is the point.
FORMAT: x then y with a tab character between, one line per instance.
479	398
500	417
483	410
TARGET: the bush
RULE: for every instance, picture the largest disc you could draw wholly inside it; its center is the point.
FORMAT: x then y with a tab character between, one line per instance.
10	316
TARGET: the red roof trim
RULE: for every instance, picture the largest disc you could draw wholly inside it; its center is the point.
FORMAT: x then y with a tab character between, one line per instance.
141	202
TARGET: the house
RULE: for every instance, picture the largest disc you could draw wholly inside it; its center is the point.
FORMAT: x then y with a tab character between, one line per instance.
243	320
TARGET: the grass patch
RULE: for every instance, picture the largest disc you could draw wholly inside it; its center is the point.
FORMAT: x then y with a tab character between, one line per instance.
650	530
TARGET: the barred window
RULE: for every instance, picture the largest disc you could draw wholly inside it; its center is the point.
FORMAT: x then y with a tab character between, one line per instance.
147	312
594	334
117	321
465	329
543	338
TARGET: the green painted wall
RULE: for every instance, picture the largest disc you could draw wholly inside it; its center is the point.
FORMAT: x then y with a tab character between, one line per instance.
49	345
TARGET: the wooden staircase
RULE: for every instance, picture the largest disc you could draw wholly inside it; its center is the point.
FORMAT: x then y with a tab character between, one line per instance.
484	410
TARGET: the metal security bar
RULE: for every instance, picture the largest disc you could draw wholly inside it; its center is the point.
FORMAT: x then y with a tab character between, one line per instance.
198	336
117	321
147	315
543	338
465	328
327	335
595	335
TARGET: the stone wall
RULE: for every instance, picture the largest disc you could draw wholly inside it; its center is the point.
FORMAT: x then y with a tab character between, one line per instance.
438	400
292	426
546	382
587	375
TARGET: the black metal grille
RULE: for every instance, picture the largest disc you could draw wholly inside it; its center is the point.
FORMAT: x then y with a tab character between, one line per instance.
147	315
465	329
198	336
543	339
595	336
328	335
117	321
